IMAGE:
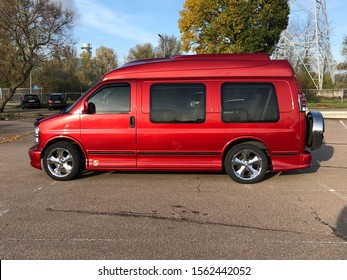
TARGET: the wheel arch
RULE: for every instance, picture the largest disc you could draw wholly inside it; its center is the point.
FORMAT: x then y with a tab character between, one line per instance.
64	139
248	140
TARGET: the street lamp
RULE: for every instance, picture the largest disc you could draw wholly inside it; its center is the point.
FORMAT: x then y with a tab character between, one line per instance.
163	40
30	82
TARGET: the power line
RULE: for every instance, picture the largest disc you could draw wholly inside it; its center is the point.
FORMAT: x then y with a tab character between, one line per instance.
306	41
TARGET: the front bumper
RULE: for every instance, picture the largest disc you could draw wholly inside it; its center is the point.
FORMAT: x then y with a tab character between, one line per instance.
35	157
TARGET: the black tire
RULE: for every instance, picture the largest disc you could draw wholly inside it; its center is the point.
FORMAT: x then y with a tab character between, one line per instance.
246	163
62	161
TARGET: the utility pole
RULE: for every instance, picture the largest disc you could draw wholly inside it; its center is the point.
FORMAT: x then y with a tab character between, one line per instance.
306	41
164	43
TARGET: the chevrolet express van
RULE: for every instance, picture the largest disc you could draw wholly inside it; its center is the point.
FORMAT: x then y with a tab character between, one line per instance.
240	113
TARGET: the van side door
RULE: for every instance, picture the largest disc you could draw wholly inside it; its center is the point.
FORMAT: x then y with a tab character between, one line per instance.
173	131
108	130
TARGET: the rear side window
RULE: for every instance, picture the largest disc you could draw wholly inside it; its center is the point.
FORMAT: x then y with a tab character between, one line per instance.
177	103
256	102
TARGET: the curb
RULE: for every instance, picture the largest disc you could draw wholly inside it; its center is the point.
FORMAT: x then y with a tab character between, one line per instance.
334	114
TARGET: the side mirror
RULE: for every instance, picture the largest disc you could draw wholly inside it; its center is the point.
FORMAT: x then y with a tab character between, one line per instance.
92	108
85	107
89	108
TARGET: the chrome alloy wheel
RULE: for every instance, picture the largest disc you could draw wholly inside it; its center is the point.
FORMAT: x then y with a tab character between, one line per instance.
247	164
60	162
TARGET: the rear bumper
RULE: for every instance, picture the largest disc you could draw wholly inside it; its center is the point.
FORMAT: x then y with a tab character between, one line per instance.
57	105
35	157
31	105
291	162
305	160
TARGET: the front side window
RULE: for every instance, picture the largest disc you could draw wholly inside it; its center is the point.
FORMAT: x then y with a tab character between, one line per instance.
177	103
251	102
112	99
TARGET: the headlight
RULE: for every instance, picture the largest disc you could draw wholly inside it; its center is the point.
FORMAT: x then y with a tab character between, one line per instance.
37	135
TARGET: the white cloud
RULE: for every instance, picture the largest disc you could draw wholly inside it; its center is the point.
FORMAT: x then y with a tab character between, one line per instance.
106	20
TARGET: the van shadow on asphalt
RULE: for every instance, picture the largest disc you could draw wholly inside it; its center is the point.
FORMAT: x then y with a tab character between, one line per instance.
323	154
341	224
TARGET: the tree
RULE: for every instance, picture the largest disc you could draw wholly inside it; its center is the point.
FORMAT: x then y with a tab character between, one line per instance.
105	60
232	26
86	73
343	65
141	52
58	74
30	30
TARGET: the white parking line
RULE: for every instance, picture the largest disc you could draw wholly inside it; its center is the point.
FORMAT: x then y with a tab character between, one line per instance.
329	189
2	212
343	124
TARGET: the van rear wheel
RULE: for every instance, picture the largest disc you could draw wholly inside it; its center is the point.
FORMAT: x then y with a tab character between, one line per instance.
62	161
246	164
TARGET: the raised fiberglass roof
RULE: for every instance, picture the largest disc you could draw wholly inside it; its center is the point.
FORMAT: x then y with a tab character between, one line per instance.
203	66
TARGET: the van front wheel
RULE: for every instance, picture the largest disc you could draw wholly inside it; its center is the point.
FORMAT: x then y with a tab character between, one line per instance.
62	161
246	164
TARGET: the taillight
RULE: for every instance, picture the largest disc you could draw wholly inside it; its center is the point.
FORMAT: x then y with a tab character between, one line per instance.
302	102
49	101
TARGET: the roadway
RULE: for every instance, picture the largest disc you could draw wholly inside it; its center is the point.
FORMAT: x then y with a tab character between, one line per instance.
117	215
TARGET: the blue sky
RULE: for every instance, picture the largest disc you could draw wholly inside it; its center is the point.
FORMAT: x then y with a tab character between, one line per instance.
121	24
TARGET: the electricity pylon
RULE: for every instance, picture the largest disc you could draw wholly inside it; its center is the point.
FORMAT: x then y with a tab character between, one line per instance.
306	41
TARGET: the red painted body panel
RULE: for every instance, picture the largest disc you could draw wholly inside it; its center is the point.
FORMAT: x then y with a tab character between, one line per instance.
108	141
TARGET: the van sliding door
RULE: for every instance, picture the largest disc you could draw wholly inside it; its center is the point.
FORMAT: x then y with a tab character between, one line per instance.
172	130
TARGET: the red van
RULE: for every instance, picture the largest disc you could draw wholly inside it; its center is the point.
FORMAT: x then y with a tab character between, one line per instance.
242	113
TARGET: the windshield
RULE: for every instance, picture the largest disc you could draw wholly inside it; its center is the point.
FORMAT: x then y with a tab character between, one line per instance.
31	96
56	97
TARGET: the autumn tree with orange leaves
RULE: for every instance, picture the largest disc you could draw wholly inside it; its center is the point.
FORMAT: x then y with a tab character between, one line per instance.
232	26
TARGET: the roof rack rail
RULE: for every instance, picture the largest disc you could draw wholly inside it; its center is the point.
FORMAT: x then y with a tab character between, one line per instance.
237	56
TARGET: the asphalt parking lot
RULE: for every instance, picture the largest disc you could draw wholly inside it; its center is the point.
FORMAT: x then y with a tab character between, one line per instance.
293	215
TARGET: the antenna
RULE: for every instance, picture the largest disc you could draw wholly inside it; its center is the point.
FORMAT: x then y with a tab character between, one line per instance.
306	41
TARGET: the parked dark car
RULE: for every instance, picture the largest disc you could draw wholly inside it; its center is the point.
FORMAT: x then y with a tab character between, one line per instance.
30	101
57	101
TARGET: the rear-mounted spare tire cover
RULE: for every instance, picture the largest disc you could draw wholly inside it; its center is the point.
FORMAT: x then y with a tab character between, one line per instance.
314	129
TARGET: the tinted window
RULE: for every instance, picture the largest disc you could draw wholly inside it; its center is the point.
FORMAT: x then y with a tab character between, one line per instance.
31	97
112	99
177	103
249	103
56	97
